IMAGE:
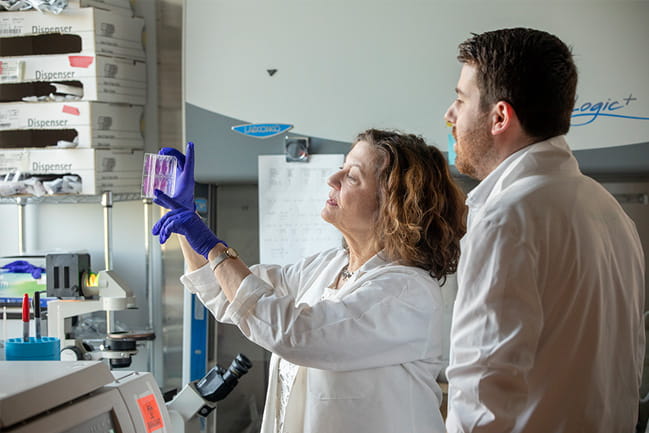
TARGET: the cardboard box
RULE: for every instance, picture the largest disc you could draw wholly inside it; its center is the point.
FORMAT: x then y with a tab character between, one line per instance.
98	31
106	79
97	124
100	170
123	7
93	183
58	161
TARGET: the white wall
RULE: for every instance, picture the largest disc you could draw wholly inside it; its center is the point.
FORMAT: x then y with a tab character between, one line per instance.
347	65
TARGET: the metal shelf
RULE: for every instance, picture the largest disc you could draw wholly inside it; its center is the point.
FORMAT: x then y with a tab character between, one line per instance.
70	198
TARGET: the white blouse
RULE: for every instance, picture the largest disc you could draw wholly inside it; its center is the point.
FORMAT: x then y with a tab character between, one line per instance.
287	372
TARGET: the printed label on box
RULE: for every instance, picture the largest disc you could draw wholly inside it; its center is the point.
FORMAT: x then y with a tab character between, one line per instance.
8	116
12	161
11	25
11	70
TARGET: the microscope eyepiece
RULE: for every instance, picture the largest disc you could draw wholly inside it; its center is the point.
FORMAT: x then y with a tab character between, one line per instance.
218	383
240	365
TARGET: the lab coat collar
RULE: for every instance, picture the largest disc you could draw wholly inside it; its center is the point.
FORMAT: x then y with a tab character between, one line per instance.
516	165
377	260
374	262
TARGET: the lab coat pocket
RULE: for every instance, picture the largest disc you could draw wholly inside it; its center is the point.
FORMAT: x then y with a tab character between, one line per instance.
336	385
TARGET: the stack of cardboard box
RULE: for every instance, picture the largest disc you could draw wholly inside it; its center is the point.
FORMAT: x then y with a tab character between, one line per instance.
72	91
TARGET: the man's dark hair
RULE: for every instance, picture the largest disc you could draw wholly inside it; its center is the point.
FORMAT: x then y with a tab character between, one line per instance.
530	69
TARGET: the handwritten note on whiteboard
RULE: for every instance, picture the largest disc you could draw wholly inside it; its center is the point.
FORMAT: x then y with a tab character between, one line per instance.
291	196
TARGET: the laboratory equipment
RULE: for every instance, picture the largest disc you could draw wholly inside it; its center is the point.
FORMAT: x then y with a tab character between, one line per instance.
82	396
109	294
41	349
69	277
200	397
159	172
78	396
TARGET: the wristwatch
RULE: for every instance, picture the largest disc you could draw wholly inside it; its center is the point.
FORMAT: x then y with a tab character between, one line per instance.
229	253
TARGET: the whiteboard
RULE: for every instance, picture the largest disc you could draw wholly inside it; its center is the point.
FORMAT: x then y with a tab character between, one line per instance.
291	196
346	65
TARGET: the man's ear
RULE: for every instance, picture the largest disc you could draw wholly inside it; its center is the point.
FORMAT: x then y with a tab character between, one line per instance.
502	116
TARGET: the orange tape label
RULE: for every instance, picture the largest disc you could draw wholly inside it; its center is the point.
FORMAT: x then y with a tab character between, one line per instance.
150	413
80	61
71	110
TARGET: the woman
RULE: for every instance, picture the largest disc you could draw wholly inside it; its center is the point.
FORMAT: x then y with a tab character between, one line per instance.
355	332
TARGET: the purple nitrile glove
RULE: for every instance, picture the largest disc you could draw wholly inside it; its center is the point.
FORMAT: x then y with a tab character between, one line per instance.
184	192
185	222
24	267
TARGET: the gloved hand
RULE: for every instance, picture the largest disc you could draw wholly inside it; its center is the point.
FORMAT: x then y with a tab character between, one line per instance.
185	222
184	192
24	267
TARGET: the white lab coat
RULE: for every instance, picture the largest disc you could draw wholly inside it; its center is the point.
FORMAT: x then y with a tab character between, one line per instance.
547	333
368	359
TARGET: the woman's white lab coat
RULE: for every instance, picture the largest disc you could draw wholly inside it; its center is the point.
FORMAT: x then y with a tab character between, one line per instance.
368	358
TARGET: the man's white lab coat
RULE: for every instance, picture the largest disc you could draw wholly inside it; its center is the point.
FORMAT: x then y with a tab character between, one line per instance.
547	333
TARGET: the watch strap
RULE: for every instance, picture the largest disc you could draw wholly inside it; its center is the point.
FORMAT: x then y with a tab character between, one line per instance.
218	260
221	258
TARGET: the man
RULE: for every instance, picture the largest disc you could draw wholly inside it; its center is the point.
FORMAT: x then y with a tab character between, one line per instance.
547	332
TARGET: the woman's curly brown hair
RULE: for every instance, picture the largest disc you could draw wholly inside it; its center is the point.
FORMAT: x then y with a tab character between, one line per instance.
421	215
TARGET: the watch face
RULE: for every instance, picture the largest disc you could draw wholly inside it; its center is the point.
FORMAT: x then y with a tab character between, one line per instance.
232	253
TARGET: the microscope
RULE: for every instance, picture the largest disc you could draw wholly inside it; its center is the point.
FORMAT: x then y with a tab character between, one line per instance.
80	291
200	397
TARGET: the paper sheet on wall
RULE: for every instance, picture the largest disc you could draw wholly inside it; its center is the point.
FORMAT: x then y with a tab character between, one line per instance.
291	196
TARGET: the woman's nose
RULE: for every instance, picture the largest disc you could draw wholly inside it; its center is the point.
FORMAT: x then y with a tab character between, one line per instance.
334	180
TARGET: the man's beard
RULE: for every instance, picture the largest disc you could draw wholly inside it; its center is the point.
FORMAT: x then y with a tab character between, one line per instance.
474	150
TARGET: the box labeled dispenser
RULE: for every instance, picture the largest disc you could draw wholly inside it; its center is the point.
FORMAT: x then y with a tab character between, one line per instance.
80	30
93	183
102	78
98	170
58	161
46	161
91	124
